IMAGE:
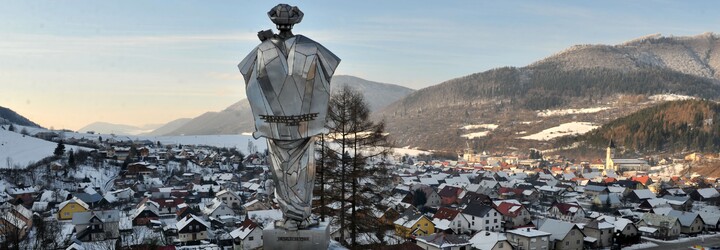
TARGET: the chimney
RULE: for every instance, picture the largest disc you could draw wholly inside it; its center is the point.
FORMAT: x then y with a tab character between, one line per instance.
487	233
528	229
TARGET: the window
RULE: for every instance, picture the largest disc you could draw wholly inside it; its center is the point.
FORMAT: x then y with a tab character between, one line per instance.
251	238
473	223
577	242
495	221
572	232
500	245
495	213
487	229
487	221
67	214
567	243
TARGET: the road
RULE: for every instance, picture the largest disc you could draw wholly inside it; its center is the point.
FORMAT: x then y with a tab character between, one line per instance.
710	240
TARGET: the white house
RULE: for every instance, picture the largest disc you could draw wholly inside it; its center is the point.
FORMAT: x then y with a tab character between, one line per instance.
482	217
247	236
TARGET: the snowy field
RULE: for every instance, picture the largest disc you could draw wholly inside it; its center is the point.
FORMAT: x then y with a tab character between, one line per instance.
488	127
479	126
16	149
572	128
476	134
410	151
670	97
561	112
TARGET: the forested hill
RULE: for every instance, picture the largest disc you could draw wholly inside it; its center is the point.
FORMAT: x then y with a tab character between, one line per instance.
670	127
9	116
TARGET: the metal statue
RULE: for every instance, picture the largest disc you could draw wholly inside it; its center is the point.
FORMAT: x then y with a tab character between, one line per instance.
287	81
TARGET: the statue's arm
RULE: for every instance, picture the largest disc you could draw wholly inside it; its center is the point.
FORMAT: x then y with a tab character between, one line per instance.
328	60
247	65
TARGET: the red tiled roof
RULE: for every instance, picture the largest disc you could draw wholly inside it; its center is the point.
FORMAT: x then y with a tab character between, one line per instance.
565	207
445	213
504	209
449	191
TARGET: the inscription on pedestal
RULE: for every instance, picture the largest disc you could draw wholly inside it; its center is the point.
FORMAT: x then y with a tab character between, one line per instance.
312	238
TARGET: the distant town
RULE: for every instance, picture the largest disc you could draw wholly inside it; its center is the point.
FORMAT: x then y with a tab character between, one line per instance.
100	192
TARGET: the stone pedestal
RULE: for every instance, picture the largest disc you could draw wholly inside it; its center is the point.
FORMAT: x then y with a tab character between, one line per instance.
317	237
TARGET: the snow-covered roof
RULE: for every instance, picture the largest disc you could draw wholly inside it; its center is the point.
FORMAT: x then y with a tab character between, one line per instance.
486	239
558	229
74	200
708	193
644	194
529	232
185	221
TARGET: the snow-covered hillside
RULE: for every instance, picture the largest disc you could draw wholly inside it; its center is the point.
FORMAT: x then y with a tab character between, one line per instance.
16	149
571	128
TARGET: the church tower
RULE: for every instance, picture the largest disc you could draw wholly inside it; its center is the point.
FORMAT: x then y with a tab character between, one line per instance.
609	155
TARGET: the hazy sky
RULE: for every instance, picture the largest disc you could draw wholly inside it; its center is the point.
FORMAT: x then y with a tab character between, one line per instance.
65	64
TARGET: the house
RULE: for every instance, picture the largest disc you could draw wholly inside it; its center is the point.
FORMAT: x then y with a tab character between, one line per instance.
15	221
640	195
514	214
146	212
711	219
22	195
690	223
410	225
610	200
230	198
564	235
432	197
473	197
704	194
192	228
659	226
486	240
595	190
448	218
97	225
216	208
442	241
682	203
567	211
482	217
449	195
599	233
69	207
247	236
628	232
529	238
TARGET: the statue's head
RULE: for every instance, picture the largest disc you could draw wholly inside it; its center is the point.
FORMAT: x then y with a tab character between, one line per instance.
285	16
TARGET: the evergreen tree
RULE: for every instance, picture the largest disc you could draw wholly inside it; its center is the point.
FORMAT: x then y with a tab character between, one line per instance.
71	158
11	128
60	149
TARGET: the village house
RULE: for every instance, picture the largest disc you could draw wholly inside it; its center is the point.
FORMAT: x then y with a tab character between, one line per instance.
529	238
414	225
70	207
192	228
482	217
514	214
448	218
564	235
567	212
247	236
442	241
97	225
599	234
659	226
229	198
486	240
690	223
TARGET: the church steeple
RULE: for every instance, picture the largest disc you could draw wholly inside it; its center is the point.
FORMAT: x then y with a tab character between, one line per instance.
609	155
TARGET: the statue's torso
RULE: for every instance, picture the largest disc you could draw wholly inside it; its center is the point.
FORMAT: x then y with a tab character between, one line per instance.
288	87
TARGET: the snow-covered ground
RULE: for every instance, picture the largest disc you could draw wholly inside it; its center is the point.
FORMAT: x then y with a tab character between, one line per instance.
561	112
670	97
410	151
641	246
16	149
487	127
572	128
476	135
479	126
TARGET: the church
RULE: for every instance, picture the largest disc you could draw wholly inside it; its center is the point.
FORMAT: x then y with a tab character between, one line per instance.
618	164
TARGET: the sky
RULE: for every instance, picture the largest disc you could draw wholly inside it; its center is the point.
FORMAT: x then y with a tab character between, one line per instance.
66	64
